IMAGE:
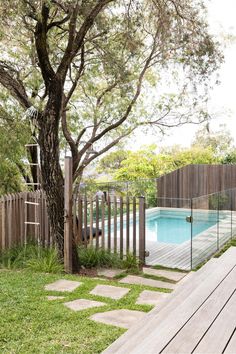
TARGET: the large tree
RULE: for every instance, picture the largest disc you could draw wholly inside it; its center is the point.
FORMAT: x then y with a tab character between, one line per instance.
79	66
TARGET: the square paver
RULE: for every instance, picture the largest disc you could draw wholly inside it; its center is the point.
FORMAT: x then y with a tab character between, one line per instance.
51	298
83	304
133	279
63	285
113	292
148	297
110	273
120	318
176	276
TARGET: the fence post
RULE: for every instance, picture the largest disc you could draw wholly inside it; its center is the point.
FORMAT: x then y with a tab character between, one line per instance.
68	215
142	230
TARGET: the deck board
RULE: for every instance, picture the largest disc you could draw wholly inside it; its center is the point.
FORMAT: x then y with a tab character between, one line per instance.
194	314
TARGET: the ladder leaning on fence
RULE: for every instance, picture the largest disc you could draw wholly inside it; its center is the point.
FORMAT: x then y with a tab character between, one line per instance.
36	201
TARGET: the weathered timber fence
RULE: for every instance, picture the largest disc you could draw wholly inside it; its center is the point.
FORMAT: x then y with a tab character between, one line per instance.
115	224
24	218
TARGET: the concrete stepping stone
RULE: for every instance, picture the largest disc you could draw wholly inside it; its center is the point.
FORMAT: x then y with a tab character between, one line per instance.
119	318
51	298
176	276
110	273
113	292
83	304
135	280
63	285
148	297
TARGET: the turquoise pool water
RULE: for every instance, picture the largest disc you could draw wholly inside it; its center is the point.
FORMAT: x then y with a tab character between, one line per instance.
171	226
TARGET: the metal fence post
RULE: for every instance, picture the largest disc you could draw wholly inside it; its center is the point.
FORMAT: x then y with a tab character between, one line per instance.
68	215
142	230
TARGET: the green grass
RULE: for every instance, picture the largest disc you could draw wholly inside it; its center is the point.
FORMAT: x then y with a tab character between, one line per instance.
226	246
31	324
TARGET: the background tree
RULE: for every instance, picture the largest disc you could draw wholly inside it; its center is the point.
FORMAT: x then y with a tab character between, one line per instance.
79	66
220	141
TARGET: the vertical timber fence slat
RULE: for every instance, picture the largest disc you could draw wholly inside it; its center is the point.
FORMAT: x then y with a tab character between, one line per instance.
109	223
127	224
115	224
91	222
85	222
97	222
103	221
121	227
142	230
68	216
134	226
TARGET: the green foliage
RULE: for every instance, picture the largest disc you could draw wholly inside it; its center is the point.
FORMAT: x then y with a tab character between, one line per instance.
130	262
91	257
112	161
14	134
219	141
31	257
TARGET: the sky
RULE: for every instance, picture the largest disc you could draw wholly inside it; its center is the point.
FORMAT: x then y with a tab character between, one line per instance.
222	103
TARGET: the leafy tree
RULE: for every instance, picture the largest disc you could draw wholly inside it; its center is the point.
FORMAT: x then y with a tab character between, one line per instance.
194	155
112	161
80	66
220	141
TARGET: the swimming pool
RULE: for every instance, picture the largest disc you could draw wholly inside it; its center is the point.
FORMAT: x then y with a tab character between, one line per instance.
170	226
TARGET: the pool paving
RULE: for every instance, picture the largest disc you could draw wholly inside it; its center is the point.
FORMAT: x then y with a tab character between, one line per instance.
109	273
176	276
136	280
148	297
63	285
120	318
113	292
83	304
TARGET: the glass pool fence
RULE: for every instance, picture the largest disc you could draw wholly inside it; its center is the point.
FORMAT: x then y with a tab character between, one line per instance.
183	233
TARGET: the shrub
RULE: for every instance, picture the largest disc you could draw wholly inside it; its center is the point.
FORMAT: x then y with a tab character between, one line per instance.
91	257
33	257
131	262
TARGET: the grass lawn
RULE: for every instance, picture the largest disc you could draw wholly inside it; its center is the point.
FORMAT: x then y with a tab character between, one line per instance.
32	324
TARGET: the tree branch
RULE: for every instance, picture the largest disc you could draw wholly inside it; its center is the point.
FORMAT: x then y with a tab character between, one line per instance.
14	85
41	45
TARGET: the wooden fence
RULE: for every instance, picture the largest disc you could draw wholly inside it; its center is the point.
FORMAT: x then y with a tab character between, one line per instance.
23	218
115	224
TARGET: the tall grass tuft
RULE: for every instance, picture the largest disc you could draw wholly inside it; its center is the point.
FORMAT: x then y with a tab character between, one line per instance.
91	257
31	256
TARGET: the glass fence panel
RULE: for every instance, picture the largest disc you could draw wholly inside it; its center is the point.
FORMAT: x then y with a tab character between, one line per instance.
204	228
168	234
233	215
225	217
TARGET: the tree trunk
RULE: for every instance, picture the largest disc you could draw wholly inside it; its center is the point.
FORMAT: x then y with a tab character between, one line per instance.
52	177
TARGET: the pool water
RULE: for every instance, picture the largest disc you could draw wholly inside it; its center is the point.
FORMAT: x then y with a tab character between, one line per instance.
172	227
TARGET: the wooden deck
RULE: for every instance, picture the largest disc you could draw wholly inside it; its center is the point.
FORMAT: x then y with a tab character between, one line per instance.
198	317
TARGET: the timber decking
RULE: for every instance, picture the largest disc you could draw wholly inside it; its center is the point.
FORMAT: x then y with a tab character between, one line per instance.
199	316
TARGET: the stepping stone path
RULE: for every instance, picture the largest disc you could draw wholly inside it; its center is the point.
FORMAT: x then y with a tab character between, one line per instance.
109	273
63	285
133	279
176	276
50	298
113	292
83	304
148	297
120	318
